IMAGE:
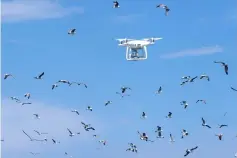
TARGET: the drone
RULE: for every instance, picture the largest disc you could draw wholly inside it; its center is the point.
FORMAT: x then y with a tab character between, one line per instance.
133	47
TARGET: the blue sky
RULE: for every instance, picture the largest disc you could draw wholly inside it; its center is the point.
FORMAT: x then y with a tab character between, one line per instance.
35	39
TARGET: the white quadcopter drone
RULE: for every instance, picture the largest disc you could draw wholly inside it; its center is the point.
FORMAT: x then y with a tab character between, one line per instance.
133	46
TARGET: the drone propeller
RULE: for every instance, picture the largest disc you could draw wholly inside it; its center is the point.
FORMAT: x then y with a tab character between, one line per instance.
153	39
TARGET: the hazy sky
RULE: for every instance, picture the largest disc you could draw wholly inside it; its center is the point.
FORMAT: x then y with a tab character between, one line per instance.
35	40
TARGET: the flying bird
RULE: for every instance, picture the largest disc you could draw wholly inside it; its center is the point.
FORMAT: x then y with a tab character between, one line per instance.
184	133
70	133
71	31
25	103
54	86
188	151
171	138
89	108
27	95
31	139
116	4
224	65
204	123
124	89
64	81
192	79
75	112
16	99
184	103
164	7
39	133
159	132
219	136
205	76
220	126
169	115
233	89
144	116
104	142
7	75
39	76
108	102
143	136
201	100
159	90
36	116
85	85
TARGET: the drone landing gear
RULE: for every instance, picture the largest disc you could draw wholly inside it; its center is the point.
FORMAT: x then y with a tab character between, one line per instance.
135	55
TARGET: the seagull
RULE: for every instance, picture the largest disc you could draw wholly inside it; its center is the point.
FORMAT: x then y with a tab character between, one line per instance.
159	90
143	136
164	7
159	131
54	86
184	133
27	95
89	108
34	153
39	133
26	103
63	81
132	147
75	112
204	123
16	99
71	134
169	115
116	4
182	83
201	100
36	116
205	76
71	31
78	84
108	102
220	126
144	116
31	139
192	79
184	103
55	142
39	76
87	127
233	89
219	136
8	75
124	89
224	65
171	138
188	151
104	142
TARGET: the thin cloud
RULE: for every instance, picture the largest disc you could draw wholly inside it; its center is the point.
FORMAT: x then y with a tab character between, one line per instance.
53	120
22	10
195	52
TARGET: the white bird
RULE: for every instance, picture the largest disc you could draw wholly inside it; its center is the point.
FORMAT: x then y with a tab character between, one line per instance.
144	136
104	142
108	102
55	142
8	75
205	76
169	115
159	90
188	151
164	7
116	4
70	133
185	77
39	133
184	103
219	136
16	99
54	86
75	112
184	133
32	139
36	116
144	116
204	123
171	138
39	76
72	31
85	85
27	95
159	131
64	81
89	108
34	153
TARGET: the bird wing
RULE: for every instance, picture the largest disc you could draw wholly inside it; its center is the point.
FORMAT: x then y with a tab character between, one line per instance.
194	148
83	123
41	74
37	132
69	131
219	62
203	121
27	135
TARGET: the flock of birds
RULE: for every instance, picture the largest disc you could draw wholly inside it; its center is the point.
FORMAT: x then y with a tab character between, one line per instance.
141	135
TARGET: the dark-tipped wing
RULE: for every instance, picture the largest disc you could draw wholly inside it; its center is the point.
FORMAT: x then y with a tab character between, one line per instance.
42	74
27	135
69	131
233	89
219	62
194	148
203	121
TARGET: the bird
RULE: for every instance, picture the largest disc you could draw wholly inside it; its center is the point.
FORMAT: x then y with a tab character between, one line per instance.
220	126
164	7
36	116
188	151
64	81
184	133
27	95
144	116
108	102
116	4
32	139
186	77
70	133
204	123
184	103
89	108
183	82
224	65
124	89
169	115
132	147
233	89
159	90
171	138
25	103
122	94
201	100
39	133
75	112
104	142
219	136
159	132
192	79
71	31
16	99
87	127
39	76
205	76
55	142
34	153
54	86
143	136
7	75
85	85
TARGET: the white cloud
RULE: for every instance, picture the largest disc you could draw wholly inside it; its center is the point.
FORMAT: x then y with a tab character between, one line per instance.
54	120
194	52
20	10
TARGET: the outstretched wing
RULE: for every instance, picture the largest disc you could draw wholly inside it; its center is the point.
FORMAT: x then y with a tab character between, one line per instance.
69	131
42	74
194	148
233	89
27	135
203	121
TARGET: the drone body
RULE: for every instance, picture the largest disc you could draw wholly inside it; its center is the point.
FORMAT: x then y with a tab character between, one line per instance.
133	47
